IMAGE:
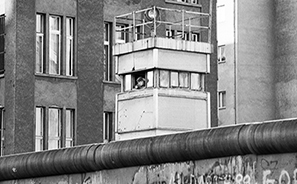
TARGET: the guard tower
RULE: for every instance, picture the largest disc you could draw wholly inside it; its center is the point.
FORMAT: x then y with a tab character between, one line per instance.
162	57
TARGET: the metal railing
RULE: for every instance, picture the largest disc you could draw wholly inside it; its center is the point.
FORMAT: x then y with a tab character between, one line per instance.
163	22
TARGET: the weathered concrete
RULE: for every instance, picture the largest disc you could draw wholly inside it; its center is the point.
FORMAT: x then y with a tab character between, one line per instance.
286	42
89	71
248	169
255	61
19	88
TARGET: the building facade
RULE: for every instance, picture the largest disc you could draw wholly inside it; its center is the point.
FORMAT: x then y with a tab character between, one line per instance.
256	56
58	82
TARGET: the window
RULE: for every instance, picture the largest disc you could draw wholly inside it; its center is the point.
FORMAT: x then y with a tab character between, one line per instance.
139	80
39	43
164	78
69	46
188	1
69	126
54	63
222	99
108	131
39	129
2	43
221	54
55	45
174	79
120	34
57	131
54	128
108	66
188	36
1	130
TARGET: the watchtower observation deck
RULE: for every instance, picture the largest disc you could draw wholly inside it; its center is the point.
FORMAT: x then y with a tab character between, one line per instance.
162	57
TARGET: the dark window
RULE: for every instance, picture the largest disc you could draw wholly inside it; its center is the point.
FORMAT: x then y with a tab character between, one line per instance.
2	43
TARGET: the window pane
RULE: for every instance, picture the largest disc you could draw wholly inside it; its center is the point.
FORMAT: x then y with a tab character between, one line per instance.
39	53
55	45
183	80
39	122
54	128
164	78
195	81
54	54
150	78
55	23
120	34
128	82
106	62
69	127
106	32
108	126
174	79
69	46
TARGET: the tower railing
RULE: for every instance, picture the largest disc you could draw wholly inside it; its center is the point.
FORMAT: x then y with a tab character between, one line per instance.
163	22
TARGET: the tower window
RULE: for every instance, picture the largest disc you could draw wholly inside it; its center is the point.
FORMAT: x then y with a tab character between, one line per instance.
222	99
221	54
138	80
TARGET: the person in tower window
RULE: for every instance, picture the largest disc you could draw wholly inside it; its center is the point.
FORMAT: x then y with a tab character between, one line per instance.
140	83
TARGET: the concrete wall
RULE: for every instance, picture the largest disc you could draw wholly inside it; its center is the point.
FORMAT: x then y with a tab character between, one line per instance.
225	32
19	66
90	71
285	61
255	61
248	169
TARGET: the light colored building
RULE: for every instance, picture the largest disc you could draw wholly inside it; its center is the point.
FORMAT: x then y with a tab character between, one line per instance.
256	60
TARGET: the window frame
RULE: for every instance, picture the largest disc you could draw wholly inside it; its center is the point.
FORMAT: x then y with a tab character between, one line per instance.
108	126
40	34
69	62
2	128
58	137
40	137
2	53
222	100
72	127
222	55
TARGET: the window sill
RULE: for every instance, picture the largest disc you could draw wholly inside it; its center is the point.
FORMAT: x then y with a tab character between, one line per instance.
183	3
111	82
222	108
221	62
55	76
1	76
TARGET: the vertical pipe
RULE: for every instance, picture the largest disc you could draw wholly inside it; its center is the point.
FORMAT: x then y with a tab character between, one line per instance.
210	21
235	61
155	23
133	27
183	23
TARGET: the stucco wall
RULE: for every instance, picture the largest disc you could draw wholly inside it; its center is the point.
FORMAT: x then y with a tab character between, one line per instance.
19	88
89	71
286	75
248	169
255	61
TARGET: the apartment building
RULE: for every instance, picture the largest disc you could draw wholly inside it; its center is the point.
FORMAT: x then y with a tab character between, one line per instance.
57	71
256	60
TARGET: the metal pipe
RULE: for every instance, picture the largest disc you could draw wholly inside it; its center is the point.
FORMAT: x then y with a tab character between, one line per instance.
257	138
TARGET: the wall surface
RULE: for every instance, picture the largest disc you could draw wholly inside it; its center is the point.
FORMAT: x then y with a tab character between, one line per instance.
286	75
255	61
248	169
90	71
19	88
226	70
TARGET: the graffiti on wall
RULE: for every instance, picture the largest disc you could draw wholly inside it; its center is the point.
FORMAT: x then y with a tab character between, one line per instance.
232	170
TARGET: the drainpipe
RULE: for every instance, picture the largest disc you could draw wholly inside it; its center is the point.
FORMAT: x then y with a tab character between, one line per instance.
235	62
